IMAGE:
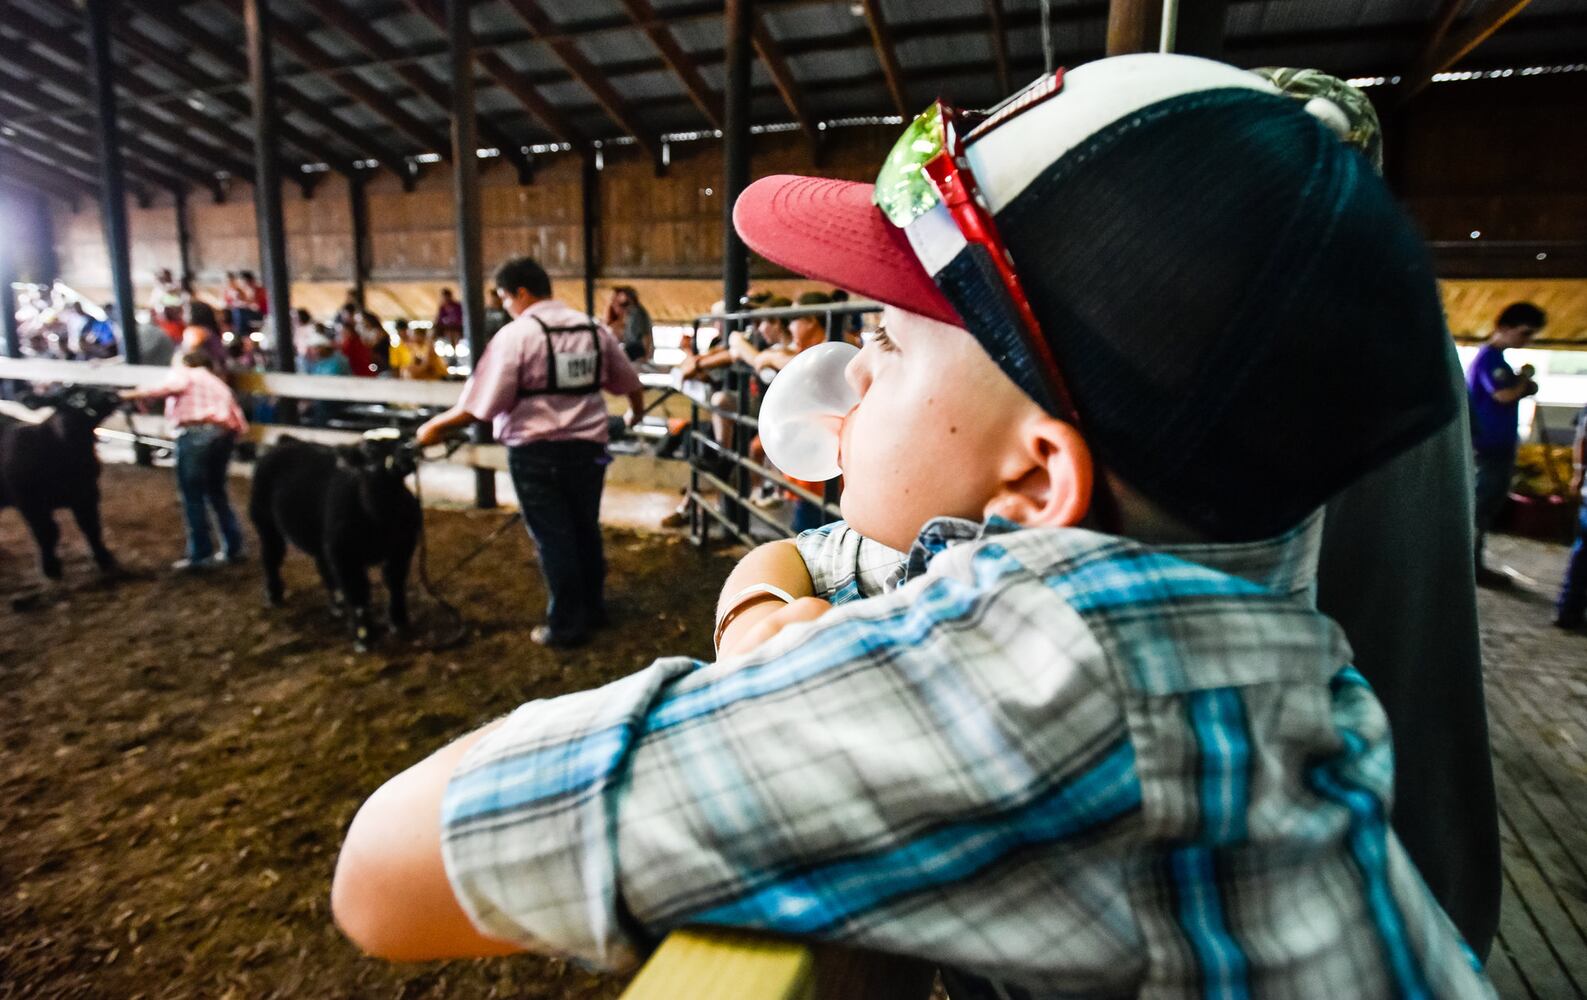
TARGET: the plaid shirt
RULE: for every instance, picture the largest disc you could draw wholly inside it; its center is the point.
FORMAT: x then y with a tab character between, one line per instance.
1057	762
197	396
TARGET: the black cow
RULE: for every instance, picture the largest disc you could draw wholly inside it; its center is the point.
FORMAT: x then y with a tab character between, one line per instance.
349	509
47	466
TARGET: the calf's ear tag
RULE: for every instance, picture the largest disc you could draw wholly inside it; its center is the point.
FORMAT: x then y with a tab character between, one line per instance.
383	434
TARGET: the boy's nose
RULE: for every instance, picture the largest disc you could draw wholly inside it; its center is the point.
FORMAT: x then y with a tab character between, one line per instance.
858	373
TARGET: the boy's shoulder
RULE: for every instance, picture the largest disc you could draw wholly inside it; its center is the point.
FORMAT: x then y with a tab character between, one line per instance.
1168	619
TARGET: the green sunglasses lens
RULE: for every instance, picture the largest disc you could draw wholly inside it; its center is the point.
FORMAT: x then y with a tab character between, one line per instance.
903	191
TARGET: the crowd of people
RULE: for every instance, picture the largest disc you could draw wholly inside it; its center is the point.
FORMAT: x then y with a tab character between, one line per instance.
763	349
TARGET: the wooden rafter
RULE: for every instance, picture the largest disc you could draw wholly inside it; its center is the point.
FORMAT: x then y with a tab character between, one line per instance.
291	98
567	52
358	31
16	167
513	82
217	157
227	97
999	33
1476	29
311	55
158	54
677	60
143	162
886	54
1444	20
783	79
27	162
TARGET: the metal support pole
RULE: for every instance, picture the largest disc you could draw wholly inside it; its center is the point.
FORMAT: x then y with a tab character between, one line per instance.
358	196
184	236
8	303
590	194
267	187
465	174
1165	38
8	295
738	18
112	182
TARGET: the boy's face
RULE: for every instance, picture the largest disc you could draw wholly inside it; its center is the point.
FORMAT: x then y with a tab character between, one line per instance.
935	432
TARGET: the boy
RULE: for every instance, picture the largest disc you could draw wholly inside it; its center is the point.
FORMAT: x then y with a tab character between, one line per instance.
1057	760
208	422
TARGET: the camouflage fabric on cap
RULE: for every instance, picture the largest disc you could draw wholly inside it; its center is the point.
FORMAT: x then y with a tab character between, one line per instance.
1364	132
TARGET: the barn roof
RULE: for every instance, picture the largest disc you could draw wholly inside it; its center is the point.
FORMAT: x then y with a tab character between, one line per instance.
363	83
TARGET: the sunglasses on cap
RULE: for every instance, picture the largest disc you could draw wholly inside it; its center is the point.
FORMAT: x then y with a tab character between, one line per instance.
927	169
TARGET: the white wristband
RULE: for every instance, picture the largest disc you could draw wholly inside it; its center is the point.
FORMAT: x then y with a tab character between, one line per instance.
725	617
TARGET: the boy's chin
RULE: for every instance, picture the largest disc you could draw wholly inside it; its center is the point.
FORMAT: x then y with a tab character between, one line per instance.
881	522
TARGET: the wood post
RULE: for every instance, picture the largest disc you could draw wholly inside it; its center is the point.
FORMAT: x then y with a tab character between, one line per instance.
112	181
465	175
184	236
590	198
267	190
358	196
1137	26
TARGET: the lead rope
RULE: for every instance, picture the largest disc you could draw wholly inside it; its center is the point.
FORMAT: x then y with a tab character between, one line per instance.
460	627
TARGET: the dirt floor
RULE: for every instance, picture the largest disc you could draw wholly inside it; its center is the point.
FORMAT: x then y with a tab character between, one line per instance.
180	762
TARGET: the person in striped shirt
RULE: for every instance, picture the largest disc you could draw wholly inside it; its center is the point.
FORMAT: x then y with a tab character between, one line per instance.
1091	738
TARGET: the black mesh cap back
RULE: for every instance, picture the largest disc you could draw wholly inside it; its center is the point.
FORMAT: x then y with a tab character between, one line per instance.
1247	320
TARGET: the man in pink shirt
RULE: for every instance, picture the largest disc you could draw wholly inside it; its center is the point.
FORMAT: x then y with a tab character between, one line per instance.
207	420
539	382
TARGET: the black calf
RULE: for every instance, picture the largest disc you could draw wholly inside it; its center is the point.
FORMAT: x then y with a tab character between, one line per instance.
346	507
44	467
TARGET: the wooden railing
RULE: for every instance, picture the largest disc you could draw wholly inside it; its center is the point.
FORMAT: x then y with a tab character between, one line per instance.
331	388
715	964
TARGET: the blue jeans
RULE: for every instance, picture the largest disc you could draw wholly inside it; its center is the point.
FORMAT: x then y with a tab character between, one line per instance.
1572	604
202	453
1494	470
559	486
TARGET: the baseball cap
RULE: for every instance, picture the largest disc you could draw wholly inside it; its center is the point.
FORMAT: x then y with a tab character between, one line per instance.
1245	318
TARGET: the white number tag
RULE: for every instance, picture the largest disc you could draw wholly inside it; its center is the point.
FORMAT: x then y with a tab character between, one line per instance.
576	369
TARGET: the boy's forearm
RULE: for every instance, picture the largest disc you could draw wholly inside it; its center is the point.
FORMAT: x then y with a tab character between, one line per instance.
777	563
390	893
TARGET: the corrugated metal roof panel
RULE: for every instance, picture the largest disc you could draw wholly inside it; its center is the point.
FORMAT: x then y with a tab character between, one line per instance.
697	36
817	21
641	86
826	65
407	29
923	52
565	11
617	46
529	57
901	11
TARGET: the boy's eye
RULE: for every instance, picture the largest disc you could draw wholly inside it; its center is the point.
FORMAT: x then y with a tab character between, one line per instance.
882	340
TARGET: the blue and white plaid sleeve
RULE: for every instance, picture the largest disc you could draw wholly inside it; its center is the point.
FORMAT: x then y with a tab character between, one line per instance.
844	565
842	782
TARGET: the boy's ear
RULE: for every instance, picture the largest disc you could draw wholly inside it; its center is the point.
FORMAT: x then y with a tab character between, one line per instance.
1047	479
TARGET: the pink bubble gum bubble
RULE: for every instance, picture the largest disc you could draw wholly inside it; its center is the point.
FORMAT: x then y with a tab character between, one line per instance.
801	418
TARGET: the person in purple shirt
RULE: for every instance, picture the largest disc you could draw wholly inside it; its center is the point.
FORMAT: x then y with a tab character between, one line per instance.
539	382
1496	390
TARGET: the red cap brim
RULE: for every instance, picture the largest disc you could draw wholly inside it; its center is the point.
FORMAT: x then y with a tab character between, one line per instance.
828	230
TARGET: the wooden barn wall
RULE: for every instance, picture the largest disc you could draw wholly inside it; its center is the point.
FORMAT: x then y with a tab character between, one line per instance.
1499	157
25	220
666	229
1502	158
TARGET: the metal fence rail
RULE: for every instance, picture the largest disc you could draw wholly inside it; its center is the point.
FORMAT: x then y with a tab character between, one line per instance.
729	507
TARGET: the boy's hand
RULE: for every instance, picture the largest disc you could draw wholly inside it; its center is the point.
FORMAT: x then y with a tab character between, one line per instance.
758	624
